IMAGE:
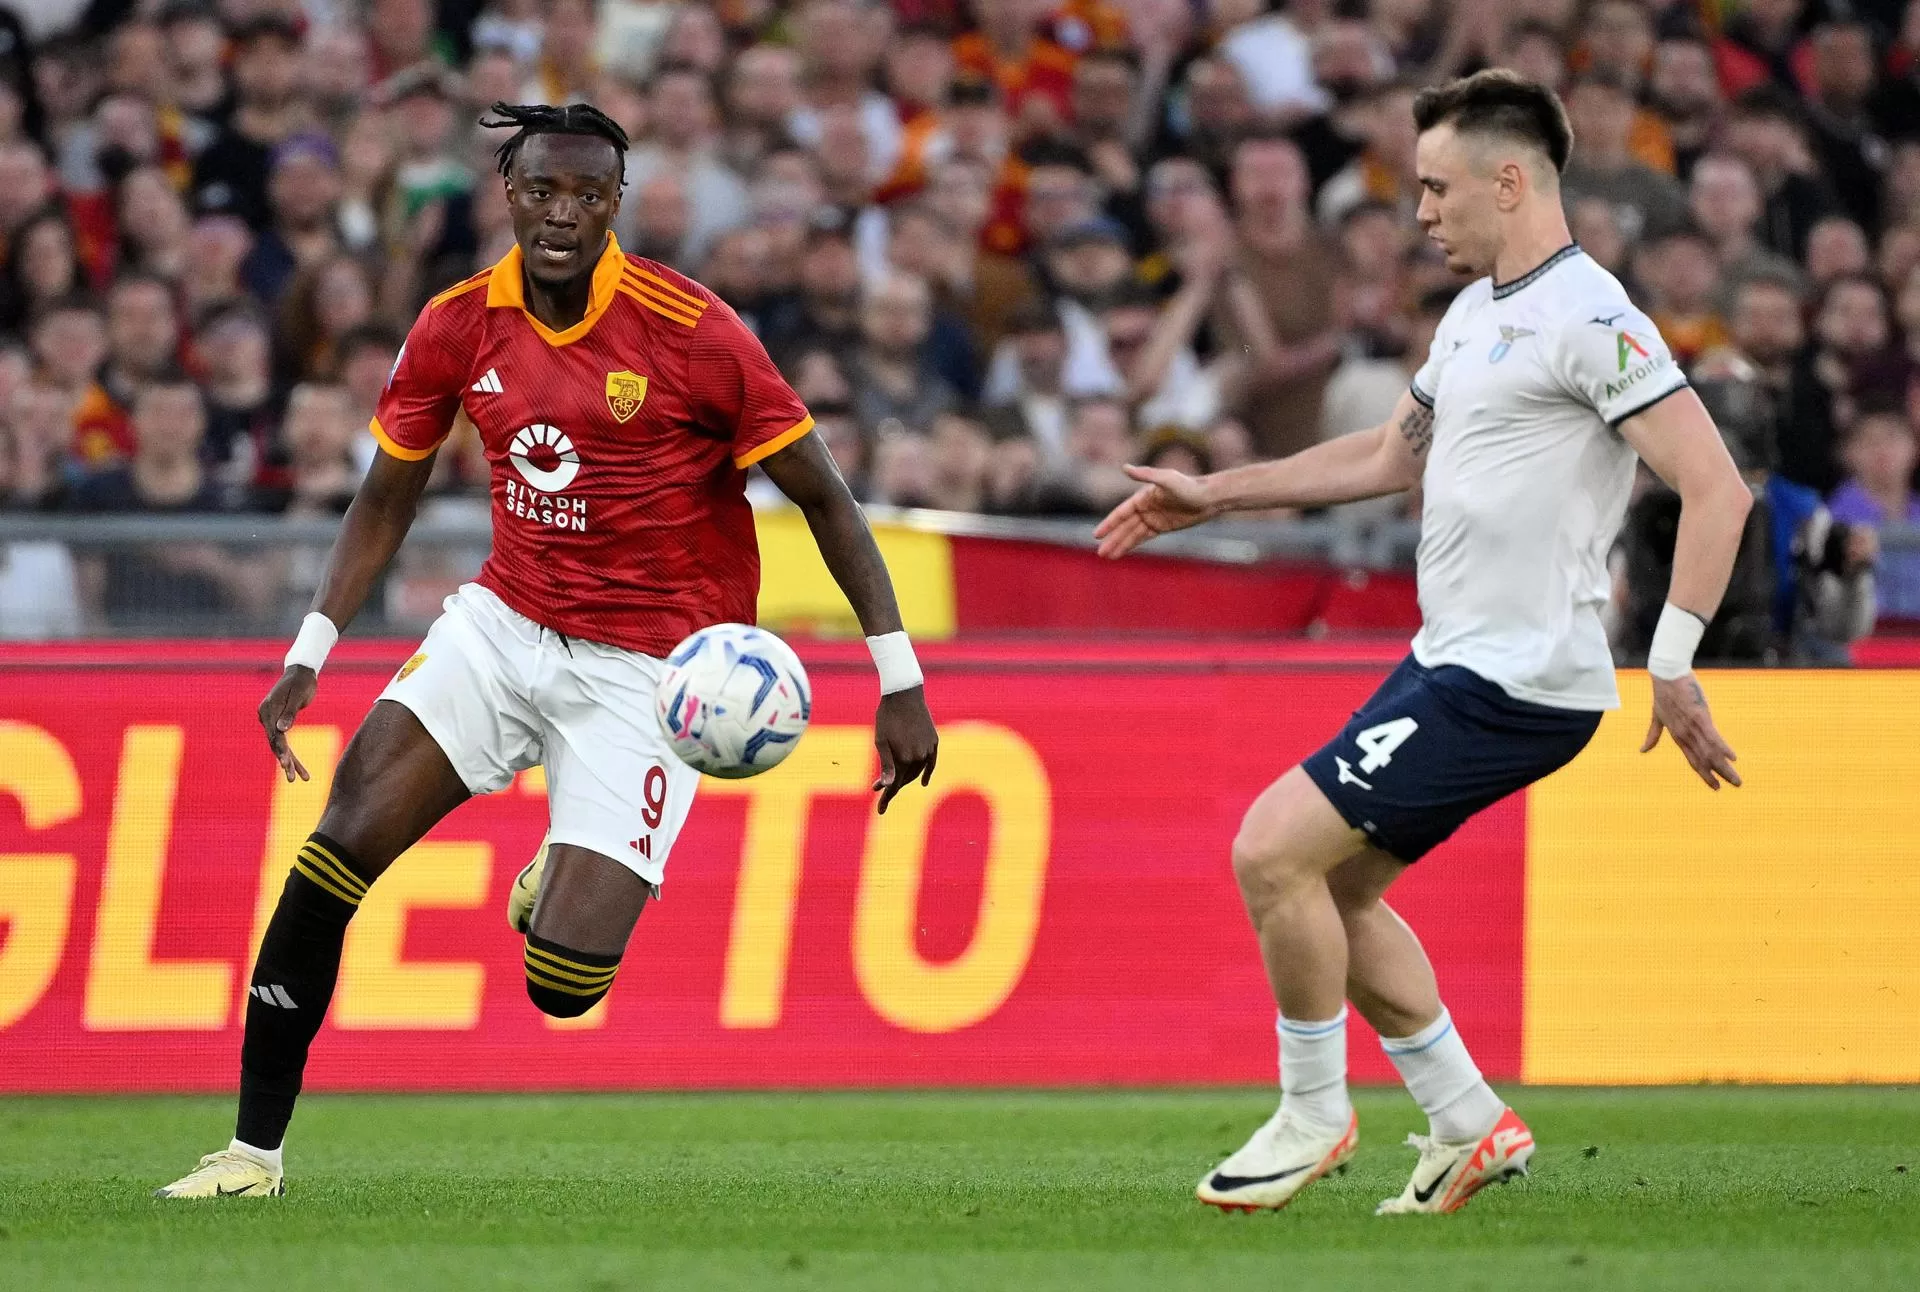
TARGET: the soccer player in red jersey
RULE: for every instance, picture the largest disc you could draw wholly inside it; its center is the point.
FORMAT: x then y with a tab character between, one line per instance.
619	404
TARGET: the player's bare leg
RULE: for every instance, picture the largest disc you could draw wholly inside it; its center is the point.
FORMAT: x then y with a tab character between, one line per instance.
1474	1138
1289	842
1389	978
587	908
393	784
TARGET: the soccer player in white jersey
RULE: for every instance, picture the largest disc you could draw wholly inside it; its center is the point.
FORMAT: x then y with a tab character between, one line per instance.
1541	386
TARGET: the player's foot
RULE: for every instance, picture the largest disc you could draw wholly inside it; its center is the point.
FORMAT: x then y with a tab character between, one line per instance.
1448	1174
1283	1157
526	891
230	1173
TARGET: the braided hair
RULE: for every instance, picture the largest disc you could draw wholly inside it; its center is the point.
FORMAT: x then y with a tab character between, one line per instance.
545	119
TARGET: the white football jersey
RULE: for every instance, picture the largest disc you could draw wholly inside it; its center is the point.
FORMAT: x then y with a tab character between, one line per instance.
1528	477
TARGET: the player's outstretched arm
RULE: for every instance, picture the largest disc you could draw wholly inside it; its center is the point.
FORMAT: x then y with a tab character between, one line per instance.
1677	438
378	520
1366	464
903	729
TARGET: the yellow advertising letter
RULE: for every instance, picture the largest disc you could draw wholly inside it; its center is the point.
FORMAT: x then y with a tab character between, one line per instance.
831	760
36	888
127	989
905	989
377	988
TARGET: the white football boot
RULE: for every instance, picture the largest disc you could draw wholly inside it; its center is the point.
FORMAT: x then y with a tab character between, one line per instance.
1447	1175
230	1173
1283	1157
526	891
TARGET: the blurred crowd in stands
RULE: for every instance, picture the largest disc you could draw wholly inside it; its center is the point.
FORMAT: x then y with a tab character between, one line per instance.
1000	247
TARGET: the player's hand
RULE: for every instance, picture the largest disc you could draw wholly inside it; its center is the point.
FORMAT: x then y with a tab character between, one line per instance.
903	733
1680	707
1862	548
1165	501
292	693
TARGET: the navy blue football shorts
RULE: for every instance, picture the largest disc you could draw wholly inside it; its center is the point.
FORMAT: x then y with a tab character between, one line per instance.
1432	747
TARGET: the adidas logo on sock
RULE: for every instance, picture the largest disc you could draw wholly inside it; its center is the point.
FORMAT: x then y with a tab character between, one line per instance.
489	384
274	995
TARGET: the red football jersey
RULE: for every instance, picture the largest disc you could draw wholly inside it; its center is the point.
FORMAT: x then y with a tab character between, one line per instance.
618	446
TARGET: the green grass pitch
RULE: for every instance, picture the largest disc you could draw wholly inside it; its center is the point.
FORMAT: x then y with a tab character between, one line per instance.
1694	1189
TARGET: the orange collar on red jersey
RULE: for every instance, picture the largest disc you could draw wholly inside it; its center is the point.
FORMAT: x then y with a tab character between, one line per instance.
505	290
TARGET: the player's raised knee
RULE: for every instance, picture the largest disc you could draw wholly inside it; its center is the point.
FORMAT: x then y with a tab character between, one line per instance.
1291	834
1255	851
565	983
1266	860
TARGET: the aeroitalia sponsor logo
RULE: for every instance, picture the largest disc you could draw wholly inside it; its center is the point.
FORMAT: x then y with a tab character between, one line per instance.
1637	363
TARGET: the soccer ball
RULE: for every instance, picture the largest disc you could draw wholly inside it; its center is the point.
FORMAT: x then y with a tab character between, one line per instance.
734	701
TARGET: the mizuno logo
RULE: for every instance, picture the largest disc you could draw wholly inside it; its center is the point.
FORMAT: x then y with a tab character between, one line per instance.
489	384
274	995
1610	319
1346	773
1224	1182
1424	1196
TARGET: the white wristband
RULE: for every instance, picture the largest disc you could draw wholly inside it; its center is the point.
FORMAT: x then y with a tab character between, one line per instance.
893	658
1675	638
316	638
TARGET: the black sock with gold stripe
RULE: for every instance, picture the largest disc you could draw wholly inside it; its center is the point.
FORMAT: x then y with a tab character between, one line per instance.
292	985
565	983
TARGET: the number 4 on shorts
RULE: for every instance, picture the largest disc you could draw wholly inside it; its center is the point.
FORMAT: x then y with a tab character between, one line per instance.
1380	741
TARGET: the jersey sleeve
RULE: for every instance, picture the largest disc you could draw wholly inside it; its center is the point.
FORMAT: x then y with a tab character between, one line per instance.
423	392
1617	362
738	392
1426	382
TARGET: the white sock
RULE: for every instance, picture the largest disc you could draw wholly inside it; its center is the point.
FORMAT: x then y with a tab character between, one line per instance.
1444	1080
1313	1070
271	1156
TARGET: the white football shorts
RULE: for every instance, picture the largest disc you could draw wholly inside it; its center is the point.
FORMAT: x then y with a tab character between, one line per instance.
500	693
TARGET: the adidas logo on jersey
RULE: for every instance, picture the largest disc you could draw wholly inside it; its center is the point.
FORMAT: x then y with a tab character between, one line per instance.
273	994
489	384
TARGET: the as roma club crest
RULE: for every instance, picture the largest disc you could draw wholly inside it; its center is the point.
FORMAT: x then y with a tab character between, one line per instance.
626	391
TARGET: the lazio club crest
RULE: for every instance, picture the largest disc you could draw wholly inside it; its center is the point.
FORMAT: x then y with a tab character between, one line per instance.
626	391
1508	335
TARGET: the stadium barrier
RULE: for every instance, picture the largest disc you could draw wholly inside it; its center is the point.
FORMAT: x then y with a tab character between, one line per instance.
1056	910
249	576
956	575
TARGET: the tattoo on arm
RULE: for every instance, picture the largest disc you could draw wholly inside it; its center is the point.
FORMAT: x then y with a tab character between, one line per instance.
1699	696
1416	428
